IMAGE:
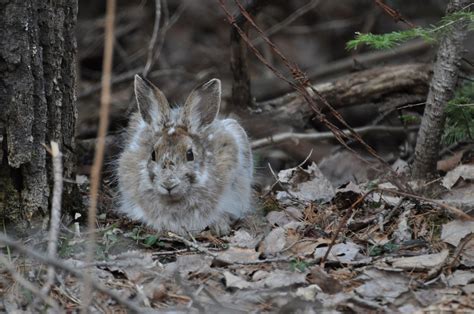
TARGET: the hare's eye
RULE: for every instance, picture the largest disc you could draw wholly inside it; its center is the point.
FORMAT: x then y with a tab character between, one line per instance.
189	155
153	156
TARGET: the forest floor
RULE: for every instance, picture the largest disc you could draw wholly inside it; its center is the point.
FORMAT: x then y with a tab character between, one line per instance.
391	253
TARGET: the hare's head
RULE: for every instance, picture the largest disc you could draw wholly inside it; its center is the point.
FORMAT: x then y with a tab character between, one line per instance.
175	153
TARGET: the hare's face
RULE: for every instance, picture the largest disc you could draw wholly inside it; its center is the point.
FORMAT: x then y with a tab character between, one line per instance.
176	164
175	159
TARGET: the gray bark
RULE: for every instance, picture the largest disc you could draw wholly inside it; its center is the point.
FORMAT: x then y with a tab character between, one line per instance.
443	83
37	101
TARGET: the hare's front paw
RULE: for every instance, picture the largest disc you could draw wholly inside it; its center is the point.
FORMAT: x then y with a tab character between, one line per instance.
221	227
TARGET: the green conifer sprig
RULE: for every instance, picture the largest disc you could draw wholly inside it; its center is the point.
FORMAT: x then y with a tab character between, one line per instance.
430	34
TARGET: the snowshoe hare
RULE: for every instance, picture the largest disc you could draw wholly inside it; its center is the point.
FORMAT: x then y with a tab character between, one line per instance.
183	169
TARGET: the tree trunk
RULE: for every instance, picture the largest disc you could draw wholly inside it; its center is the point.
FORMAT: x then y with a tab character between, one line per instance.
37	102
442	88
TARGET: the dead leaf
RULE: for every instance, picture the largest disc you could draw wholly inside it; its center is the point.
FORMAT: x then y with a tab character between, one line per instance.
382	285
450	162
232	281
308	293
467	254
465	172
307	184
278	218
243	239
460	278
186	264
420	262
236	254
455	230
324	281
274	242
342	252
282	278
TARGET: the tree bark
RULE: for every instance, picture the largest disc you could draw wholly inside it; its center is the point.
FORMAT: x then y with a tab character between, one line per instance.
37	102
443	83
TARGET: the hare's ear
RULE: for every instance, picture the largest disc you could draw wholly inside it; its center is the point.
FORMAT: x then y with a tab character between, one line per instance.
152	103
202	105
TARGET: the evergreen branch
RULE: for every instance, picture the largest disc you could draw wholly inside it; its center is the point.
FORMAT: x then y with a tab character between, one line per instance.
429	34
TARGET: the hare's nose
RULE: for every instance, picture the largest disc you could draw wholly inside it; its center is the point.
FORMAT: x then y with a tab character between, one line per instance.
169	186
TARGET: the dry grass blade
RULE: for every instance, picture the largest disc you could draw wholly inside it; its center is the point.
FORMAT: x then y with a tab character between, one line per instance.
100	146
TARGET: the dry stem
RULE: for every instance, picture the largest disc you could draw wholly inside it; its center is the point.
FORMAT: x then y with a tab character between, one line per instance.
55	212
99	152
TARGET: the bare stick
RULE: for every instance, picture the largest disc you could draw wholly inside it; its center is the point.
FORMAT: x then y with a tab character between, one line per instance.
282	137
28	285
452	209
290	19
393	13
191	244
201	249
76	273
343	222
55	212
154	39
99	151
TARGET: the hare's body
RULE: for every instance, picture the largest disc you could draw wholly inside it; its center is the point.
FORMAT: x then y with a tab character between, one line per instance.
183	169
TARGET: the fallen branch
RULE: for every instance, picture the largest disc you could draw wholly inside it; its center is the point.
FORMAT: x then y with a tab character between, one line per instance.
282	137
373	85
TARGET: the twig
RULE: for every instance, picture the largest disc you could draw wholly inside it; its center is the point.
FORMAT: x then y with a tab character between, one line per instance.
55	212
201	249
450	208
99	151
79	274
343	222
191	244
290	19
277	180
302	85
28	285
129	75
393	13
154	39
282	137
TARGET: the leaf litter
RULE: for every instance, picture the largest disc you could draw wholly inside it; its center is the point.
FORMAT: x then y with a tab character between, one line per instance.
392	254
